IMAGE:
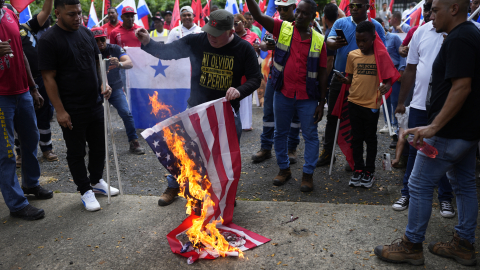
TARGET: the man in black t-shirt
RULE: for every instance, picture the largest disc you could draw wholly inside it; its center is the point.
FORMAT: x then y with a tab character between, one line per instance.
118	60
448	143
219	60
68	59
28	33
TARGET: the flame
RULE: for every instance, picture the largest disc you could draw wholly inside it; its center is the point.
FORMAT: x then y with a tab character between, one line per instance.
159	106
194	188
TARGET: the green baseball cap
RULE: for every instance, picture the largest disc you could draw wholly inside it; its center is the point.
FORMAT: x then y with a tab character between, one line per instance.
220	21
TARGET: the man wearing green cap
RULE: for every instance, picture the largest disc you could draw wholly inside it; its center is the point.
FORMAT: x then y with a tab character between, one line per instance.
219	60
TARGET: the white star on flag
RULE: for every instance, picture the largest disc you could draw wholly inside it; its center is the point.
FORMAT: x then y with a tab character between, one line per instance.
155	143
158	154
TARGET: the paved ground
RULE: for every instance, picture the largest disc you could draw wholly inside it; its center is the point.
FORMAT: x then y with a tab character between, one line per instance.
338	225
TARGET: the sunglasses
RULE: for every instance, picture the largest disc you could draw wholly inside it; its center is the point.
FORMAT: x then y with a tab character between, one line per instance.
284	8
358	5
102	39
236	23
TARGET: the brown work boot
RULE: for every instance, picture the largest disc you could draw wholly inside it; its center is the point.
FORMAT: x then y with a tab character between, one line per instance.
168	196
282	177
307	182
262	155
458	249
292	156
401	252
50	155
135	148
18	161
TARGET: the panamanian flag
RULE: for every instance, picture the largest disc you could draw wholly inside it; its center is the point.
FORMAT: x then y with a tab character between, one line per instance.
166	80
210	140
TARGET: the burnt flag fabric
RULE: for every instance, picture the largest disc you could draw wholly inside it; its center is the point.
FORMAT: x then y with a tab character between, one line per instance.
209	138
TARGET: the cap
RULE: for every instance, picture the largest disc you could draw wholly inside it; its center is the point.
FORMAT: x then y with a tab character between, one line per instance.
128	10
413	4
98	32
220	21
186	8
285	2
167	12
11	8
158	18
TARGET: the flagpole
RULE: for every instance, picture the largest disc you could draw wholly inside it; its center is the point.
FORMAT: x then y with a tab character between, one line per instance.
109	120
385	109
334	144
103	11
418	5
105	117
473	14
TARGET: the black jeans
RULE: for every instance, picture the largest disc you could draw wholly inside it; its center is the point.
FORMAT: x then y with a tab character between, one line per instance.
331	125
88	127
364	129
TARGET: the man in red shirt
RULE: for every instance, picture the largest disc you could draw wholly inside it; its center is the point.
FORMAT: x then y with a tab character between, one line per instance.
112	21
124	35
300	52
168	20
18	94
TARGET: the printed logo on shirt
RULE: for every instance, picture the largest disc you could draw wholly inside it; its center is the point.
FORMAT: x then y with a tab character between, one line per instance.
9	19
217	71
23	33
367	69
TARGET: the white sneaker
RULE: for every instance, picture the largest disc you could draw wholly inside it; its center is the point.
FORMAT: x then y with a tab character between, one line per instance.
401	204
446	209
384	129
102	188
90	202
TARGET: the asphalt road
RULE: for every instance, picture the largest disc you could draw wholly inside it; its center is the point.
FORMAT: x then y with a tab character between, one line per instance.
144	175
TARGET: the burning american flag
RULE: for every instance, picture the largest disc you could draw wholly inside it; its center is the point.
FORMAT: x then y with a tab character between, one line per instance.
200	148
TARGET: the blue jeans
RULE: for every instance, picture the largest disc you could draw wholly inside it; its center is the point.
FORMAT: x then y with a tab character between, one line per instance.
269	122
392	102
172	182
418	118
119	101
456	158
16	111
285	108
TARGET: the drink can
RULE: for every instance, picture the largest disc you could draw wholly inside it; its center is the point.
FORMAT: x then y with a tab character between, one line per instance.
387	165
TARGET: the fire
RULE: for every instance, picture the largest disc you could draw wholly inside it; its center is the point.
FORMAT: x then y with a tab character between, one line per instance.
194	188
159	106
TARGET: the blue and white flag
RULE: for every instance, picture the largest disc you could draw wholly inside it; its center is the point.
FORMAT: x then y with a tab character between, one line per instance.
157	89
407	17
240	5
143	10
25	15
92	17
232	6
130	3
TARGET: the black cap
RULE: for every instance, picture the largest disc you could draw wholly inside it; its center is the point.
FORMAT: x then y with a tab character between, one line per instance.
167	12
158	18
220	21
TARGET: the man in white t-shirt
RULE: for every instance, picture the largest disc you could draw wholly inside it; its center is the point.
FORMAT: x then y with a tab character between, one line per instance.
385	15
424	47
186	28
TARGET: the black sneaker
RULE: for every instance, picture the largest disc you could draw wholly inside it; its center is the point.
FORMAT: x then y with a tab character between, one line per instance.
367	180
401	204
39	192
393	144
446	209
356	178
29	213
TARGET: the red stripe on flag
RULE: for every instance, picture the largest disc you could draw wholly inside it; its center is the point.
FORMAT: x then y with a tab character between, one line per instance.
175	244
20	5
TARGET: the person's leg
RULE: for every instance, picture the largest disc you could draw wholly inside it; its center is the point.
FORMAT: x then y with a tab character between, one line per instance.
11	191
331	124
445	191
238	125
95	137
370	128
75	141
306	110
123	76
268	117
283	109
44	114
358	134
425	176
26	127
293	135
119	101
394	103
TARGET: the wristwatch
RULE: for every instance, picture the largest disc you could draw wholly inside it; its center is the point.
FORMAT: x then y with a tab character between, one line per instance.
36	86
120	64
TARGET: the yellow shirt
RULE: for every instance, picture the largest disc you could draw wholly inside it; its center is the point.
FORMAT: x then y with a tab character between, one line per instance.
364	89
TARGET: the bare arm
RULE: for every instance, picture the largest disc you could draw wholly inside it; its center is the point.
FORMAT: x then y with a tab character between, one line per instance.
461	88
63	117
403	51
45	12
341	14
334	43
37	98
322	85
266	21
346	80
330	64
126	62
408	81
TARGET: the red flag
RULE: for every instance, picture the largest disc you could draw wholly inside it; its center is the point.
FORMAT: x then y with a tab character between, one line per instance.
415	17
206	10
175	15
20	5
107	4
245	8
198	14
344	7
262	5
391	5
373	11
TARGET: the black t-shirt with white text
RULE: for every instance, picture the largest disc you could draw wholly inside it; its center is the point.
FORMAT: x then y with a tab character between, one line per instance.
72	54
214	70
459	57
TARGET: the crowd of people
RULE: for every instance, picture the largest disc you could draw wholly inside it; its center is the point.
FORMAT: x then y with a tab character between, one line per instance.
429	77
